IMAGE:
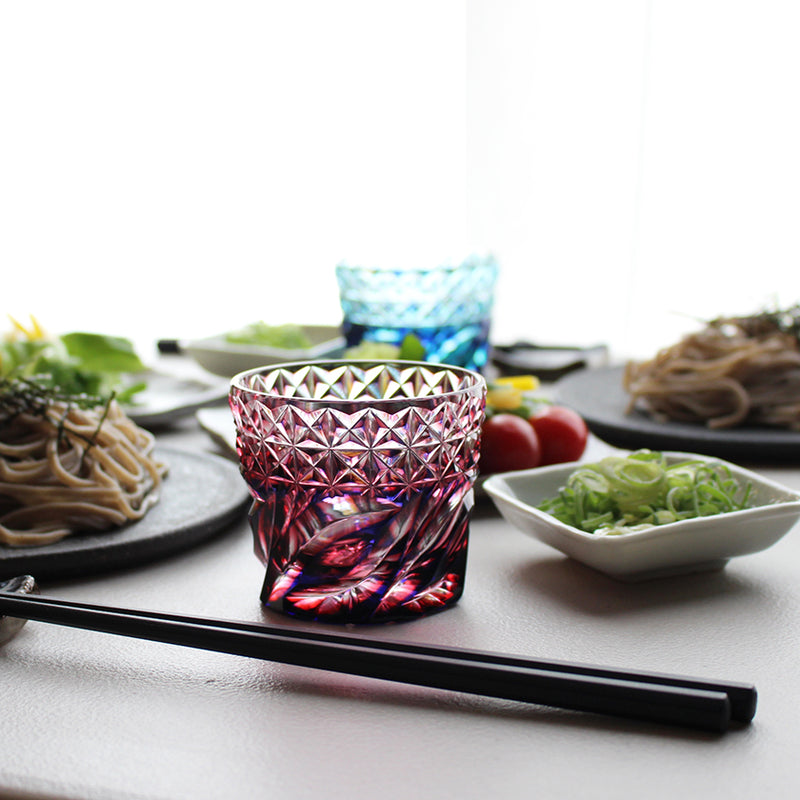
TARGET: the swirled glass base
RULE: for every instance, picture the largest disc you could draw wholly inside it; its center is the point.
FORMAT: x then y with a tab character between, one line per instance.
358	559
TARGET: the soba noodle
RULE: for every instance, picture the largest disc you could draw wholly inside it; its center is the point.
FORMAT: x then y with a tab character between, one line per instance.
65	469
733	372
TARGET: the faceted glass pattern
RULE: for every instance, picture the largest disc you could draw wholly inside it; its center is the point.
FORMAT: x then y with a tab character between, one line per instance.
361	474
418	298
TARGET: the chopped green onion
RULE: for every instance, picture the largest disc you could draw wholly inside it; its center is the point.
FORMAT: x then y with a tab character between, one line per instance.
622	493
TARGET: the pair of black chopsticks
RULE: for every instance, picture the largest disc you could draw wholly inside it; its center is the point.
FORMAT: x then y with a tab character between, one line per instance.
670	699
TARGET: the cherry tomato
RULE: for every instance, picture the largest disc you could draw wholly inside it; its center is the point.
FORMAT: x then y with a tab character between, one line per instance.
562	434
508	442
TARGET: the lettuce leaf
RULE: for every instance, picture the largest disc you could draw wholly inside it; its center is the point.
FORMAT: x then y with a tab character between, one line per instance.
76	364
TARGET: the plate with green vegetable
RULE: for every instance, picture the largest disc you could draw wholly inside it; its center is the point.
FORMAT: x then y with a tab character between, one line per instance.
260	344
645	514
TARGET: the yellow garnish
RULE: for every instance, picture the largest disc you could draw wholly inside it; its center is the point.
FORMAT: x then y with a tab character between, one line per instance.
525	383
504	397
507	393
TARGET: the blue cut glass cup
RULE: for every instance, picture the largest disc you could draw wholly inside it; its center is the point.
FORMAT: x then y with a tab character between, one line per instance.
448	308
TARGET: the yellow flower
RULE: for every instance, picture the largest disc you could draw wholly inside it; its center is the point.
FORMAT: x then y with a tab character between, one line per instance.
33	334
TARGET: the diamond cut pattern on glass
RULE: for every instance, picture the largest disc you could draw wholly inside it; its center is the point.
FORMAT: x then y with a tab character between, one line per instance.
352	427
444	295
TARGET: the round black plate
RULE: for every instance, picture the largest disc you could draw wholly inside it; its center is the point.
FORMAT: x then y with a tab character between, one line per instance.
600	398
201	496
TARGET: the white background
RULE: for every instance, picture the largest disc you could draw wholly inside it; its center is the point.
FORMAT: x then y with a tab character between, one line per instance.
176	168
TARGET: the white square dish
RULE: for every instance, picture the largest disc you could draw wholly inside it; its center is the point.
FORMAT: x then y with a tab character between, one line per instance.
221	357
691	545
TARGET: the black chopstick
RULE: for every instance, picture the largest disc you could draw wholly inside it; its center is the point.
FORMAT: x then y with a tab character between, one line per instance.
701	705
742	696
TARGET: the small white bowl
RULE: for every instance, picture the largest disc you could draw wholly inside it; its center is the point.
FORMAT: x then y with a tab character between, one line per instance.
692	545
221	357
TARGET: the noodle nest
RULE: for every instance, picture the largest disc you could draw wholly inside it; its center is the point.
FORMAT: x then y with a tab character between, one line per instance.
734	372
65	469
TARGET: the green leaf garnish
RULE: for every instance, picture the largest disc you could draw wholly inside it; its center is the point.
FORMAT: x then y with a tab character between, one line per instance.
75	364
411	348
285	337
94	351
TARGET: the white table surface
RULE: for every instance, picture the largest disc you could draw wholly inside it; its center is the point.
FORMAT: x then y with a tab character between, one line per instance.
89	715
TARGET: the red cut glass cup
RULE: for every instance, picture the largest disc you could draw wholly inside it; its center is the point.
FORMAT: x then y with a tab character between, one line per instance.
361	474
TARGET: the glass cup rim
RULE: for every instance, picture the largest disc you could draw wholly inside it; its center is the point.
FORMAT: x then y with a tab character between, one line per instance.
237	382
421	269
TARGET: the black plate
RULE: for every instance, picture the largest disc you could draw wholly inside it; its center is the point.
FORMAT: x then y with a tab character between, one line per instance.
201	496
546	362
600	398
